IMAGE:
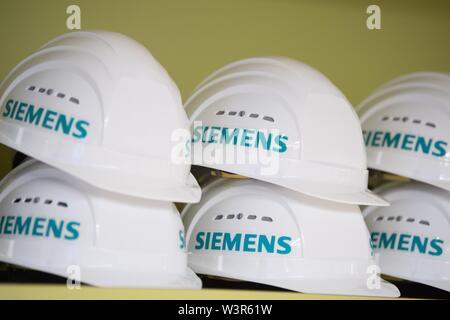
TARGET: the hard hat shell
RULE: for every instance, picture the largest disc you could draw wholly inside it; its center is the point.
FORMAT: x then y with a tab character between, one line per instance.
406	127
55	223
293	113
97	105
412	236
255	231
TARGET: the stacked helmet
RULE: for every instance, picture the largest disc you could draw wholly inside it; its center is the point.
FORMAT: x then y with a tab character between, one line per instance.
412	236
406	128
98	106
53	222
254	231
280	121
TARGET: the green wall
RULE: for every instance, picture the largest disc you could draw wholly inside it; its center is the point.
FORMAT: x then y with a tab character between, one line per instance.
193	37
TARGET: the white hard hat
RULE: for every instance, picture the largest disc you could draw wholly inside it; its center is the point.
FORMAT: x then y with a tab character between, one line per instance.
406	126
290	113
98	106
412	236
255	231
58	224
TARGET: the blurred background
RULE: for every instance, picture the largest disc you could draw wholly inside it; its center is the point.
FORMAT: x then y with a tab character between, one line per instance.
192	38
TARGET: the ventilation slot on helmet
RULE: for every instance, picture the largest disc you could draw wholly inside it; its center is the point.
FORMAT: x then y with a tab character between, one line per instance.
242	113
62	204
240	216
50	92
407	119
74	100
37	200
400	218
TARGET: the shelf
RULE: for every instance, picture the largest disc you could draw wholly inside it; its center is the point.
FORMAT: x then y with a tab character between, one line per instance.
38	291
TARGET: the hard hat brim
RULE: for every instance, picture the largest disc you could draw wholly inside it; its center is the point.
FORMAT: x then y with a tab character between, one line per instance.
106	171
406	268
393	161
106	275
338	184
357	287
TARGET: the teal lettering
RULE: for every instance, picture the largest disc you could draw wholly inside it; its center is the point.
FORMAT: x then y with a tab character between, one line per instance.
216	239
284	242
33	117
2	219
374	238
64	124
199	241
230	243
11	115
22	227
389	141
8	225
408	140
81	127
423	145
38	225
245	137
437	248
72	229
403	242
49	118
281	142
376	139
197	134
182	239
21	111
417	243
205	130
214	134
440	147
54	228
367	136
249	242
208	236
386	242
227	137
269	246
7	108
261	139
